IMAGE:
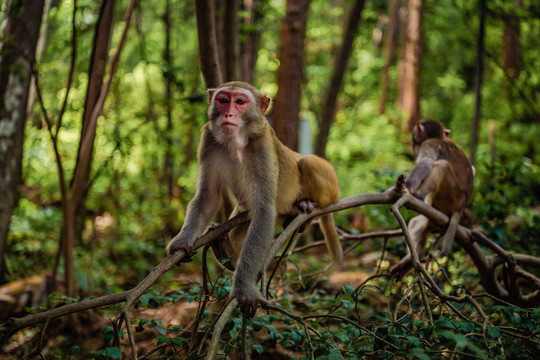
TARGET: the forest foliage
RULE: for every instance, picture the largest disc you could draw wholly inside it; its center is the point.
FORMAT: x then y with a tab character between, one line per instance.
131	212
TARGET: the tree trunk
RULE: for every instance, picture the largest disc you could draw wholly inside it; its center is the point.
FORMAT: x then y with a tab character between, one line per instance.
392	34
248	53
232	47
478	80
208	53
74	201
511	52
168	166
40	47
219	26
409	99
329	104
286	108
20	25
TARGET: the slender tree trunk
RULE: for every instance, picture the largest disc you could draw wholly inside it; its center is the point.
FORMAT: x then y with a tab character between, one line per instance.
168	171
286	108
74	201
42	41
219	32
410	97
511	53
392	34
248	53
330	99
75	198
232	47
208	51
478	80
20	25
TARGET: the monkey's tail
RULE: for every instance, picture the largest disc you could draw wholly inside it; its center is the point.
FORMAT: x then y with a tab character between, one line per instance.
328	227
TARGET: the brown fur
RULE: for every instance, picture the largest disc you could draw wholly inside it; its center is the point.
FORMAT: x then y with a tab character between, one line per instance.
443	177
253	169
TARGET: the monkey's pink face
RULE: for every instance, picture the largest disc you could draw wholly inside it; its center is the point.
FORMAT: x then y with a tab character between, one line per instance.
231	105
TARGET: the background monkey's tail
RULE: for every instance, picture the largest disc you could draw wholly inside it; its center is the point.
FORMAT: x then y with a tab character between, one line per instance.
328	227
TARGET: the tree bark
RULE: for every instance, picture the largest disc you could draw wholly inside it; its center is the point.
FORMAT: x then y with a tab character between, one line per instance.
409	98
511	53
73	203
40	47
169	75
286	108
478	80
248	52
20	33
208	53
392	34
232	42
330	99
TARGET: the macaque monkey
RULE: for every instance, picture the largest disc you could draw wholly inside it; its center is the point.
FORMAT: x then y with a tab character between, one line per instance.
16	296
242	161
443	177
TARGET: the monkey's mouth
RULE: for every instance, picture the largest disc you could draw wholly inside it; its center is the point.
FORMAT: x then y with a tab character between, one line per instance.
229	126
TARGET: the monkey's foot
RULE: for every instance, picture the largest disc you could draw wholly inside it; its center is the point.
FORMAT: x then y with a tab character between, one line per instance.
401	268
190	252
248	299
306	205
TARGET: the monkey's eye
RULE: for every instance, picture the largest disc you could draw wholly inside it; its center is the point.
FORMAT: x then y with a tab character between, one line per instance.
223	100
240	101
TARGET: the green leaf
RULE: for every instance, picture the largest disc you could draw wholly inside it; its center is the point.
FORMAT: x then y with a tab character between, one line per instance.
74	350
221	291
418	353
493	331
162	340
296	337
258	324
141	322
113	352
258	348
346	303
349	289
414	341
445	324
160	330
233	333
461	340
272	331
108	334
178	341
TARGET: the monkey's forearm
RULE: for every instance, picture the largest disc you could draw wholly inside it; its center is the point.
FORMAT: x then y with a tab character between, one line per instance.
200	211
255	249
419	173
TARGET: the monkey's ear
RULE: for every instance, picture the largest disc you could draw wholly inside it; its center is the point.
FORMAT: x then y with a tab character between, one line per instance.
210	93
420	127
446	132
265	101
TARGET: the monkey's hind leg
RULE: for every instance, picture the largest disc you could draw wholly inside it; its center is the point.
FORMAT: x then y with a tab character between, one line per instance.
227	248
447	239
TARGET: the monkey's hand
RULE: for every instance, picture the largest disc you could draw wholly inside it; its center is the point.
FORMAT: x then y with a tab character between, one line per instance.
180	242
248	297
306	205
